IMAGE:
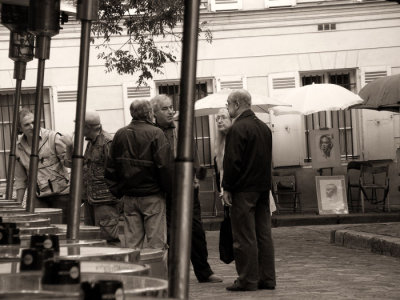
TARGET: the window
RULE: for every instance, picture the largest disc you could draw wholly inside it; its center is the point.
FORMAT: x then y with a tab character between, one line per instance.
218	5
201	124
343	120
6	119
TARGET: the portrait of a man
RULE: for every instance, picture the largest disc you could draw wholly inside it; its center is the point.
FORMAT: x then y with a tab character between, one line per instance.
325	150
326	145
331	195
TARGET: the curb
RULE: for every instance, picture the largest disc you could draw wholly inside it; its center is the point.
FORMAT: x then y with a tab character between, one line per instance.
379	244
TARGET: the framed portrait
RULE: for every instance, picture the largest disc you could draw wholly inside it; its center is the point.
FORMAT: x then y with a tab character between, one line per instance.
331	195
325	148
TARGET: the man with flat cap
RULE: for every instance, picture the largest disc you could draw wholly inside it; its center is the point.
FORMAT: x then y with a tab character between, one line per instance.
101	207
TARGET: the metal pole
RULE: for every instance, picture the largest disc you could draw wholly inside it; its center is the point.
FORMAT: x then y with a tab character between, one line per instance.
11	159
34	158
86	11
21	47
183	183
77	158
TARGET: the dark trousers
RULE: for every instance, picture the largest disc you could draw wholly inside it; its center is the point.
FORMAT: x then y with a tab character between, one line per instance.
55	201
199	252
252	241
106	217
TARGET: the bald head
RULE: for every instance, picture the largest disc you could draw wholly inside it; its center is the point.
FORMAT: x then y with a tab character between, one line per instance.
238	101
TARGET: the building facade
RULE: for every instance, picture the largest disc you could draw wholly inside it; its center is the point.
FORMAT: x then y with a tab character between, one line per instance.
265	46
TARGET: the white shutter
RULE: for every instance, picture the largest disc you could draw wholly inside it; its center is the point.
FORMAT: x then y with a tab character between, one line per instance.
288	139
203	5
378	140
132	93
218	5
142	92
67	96
279	3
231	82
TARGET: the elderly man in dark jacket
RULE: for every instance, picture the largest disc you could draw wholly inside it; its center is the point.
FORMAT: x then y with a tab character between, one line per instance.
138	171
101	208
164	115
246	183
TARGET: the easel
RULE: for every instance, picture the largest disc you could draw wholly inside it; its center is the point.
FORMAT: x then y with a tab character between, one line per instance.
321	170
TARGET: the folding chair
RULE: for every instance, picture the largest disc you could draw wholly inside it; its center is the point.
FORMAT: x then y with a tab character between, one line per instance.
353	182
285	191
372	180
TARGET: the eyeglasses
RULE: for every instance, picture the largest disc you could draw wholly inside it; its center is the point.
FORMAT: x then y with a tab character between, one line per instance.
229	103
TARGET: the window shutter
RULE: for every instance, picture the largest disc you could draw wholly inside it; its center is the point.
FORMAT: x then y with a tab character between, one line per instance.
218	5
67	96
136	93
132	93
203	5
377	127
231	82
287	130
279	3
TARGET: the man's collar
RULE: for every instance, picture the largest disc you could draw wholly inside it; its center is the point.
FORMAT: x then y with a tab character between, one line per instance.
95	139
245	113
40	134
169	126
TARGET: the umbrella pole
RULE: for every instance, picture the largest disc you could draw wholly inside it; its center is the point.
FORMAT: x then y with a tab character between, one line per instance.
87	11
183	180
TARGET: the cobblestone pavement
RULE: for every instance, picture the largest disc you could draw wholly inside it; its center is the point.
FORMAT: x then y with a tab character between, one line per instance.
309	267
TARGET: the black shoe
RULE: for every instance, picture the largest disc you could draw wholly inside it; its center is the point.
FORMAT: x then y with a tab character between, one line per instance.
212	279
265	286
235	287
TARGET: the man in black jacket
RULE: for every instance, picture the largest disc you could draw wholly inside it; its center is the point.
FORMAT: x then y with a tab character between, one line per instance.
164	115
138	171
246	183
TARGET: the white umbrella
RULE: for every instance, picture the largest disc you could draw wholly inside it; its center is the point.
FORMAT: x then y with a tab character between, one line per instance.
211	104
313	98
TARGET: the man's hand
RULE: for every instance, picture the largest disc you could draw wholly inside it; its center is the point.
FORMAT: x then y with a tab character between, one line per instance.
227	198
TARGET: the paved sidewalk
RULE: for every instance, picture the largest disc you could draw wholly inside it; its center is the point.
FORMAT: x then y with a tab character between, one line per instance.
309	266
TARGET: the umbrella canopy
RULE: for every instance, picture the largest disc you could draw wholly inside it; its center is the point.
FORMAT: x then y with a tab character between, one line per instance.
211	104
313	98
382	94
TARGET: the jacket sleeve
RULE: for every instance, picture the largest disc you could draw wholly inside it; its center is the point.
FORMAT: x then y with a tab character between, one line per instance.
110	173
61	150
21	177
233	159
161	158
